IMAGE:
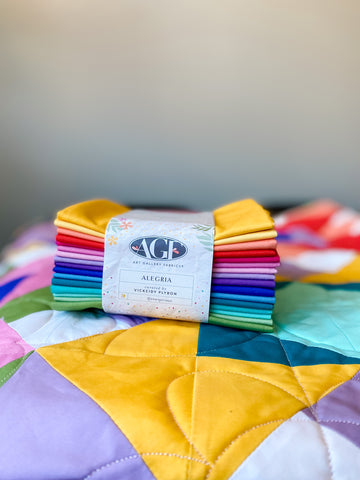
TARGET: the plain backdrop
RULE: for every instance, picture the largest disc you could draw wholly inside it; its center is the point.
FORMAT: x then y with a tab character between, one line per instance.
191	103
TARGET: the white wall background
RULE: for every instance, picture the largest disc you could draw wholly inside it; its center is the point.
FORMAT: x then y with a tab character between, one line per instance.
182	102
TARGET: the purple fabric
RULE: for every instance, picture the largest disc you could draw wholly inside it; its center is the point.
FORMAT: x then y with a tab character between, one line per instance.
246	282
295	272
41	232
254	276
49	429
339	410
79	265
78	261
126	468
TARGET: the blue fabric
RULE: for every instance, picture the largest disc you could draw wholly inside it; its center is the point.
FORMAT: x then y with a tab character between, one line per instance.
83	278
7	287
254	291
76	271
76	283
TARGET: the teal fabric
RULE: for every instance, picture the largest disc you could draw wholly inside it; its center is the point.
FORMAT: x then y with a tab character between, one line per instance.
58	289
249	298
217	341
229	308
84	278
319	318
235	313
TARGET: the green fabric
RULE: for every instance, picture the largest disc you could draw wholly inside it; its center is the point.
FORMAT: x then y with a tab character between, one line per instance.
40	300
69	304
10	368
226	322
239	319
35	301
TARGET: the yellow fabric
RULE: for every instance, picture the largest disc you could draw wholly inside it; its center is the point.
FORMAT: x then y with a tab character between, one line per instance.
237	222
93	214
348	274
128	375
319	380
247	237
188	416
238	218
76	228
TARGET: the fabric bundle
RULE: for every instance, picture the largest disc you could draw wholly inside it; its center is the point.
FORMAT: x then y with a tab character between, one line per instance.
244	262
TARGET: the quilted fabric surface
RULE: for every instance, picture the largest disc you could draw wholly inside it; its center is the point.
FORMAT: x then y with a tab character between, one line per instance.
89	395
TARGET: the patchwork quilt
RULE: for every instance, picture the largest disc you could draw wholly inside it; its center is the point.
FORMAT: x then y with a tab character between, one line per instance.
90	395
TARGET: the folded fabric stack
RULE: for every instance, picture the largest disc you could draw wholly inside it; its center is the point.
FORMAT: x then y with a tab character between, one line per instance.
244	263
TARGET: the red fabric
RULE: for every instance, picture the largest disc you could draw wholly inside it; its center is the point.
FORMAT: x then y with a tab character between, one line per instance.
79	242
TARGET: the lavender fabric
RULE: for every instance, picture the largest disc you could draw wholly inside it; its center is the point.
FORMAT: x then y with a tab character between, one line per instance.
77	261
245	282
337	410
52	425
254	276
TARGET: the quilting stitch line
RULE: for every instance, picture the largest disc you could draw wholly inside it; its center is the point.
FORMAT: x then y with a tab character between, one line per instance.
237	438
313	411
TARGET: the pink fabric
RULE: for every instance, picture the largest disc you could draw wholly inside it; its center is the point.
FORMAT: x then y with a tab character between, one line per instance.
83	251
245	266
12	346
244	270
80	256
39	275
86	236
29	269
258	244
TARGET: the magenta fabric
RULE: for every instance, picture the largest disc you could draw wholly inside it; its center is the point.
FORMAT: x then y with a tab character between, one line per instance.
245	265
274	259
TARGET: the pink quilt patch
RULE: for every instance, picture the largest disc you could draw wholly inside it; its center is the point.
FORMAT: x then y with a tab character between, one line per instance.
12	346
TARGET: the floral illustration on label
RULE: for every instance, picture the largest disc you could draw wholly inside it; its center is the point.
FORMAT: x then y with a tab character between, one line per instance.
204	234
112	240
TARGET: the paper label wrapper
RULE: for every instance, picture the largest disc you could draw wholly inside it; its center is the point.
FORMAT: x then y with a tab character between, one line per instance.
159	264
